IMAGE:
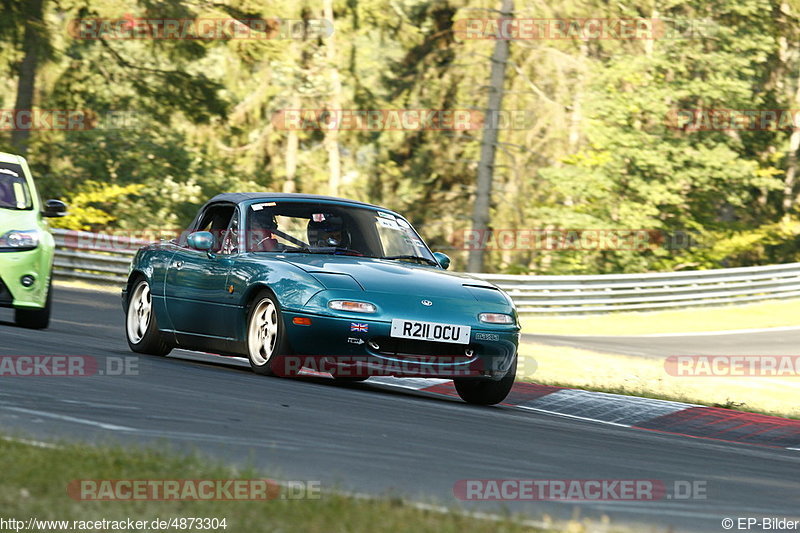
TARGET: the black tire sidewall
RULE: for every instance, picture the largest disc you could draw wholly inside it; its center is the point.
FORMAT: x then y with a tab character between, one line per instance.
36	318
151	342
487	392
269	368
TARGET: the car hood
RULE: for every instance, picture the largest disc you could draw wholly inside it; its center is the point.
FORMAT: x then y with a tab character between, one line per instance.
381	275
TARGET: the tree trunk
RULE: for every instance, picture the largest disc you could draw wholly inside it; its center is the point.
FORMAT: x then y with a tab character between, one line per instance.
779	77
791	164
26	84
483	194
292	144
576	114
334	105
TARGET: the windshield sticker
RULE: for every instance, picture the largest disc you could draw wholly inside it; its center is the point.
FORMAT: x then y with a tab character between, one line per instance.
391	224
318	217
385	215
418	243
403	224
259	207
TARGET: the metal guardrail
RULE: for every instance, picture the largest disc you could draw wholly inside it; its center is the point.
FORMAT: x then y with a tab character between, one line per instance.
649	292
93	257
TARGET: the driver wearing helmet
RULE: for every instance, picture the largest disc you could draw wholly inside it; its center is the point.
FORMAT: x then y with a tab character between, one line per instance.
327	231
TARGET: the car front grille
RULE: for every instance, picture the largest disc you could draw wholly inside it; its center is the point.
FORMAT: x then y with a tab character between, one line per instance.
410	348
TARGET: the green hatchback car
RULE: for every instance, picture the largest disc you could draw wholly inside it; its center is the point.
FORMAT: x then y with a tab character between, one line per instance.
26	245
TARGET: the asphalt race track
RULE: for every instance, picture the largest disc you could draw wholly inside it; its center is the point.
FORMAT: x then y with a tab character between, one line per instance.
371	438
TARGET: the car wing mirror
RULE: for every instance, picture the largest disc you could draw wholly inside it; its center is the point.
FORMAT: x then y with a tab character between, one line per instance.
201	240
442	259
54	209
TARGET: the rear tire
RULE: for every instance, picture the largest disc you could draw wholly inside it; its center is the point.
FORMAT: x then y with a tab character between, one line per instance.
141	327
36	318
486	392
266	336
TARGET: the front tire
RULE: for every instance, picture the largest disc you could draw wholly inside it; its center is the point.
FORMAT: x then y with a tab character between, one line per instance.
266	336
141	327
36	318
486	392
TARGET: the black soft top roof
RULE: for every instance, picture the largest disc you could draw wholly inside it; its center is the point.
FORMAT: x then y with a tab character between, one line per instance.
239	197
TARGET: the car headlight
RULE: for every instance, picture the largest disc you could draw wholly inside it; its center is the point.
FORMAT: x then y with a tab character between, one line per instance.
20	240
353	306
496	318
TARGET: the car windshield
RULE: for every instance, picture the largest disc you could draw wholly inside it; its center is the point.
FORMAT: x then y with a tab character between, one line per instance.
14	192
311	227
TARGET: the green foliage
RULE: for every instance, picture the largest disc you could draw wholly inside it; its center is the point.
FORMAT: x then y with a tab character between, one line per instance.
597	150
90	209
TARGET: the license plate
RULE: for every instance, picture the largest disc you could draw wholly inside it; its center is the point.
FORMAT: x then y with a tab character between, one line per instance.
429	331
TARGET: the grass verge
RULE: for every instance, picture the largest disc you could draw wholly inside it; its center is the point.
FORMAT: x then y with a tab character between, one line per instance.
641	376
770	314
35	479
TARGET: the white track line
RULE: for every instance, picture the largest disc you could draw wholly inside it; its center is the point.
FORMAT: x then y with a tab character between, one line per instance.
44	414
556	413
685	334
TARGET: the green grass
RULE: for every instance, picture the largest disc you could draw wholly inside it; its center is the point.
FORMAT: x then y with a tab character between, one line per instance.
34	484
643	376
769	314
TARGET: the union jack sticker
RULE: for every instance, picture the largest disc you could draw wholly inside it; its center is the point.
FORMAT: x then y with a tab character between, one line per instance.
357	326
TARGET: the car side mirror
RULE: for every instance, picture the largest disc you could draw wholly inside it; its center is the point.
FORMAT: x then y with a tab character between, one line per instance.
201	240
442	259
54	209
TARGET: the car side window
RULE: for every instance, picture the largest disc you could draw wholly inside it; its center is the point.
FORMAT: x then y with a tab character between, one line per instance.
216	220
230	241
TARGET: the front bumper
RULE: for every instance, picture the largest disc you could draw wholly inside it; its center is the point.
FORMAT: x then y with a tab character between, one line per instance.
341	346
13	265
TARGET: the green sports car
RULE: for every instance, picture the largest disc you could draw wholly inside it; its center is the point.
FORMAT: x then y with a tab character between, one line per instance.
304	282
26	246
